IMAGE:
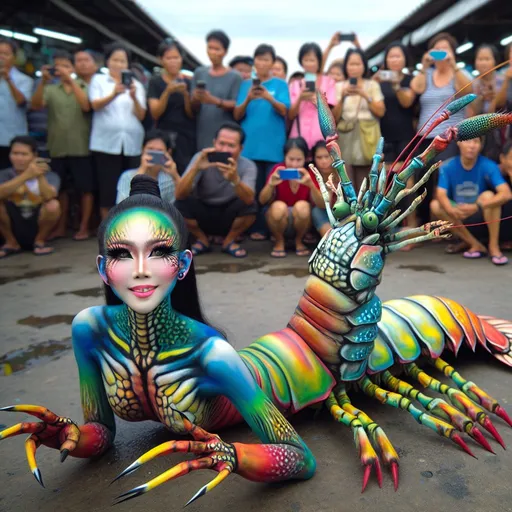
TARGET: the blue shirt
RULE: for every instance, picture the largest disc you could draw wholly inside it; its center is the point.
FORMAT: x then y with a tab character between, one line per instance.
464	186
165	184
264	127
13	118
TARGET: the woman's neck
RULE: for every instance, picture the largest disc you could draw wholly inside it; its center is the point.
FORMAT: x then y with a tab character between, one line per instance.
171	74
264	76
219	67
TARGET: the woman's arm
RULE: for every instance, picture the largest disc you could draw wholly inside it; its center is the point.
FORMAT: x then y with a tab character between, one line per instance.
139	101
501	97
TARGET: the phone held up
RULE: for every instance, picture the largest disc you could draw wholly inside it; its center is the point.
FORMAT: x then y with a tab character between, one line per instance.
219	157
289	174
438	54
126	77
157	157
352	81
201	85
310	79
347	37
386	75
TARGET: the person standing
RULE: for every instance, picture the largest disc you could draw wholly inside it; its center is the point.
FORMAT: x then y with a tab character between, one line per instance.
117	131
15	91
214	90
170	106
69	127
86	65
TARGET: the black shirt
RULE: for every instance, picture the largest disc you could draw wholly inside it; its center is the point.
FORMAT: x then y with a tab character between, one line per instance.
174	118
396	125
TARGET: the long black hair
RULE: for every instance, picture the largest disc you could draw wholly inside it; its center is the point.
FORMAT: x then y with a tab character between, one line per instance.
144	192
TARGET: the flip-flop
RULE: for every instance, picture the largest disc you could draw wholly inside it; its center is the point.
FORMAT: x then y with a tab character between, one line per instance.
258	237
303	252
81	238
47	248
499	260
9	251
278	254
202	249
232	251
474	255
455	248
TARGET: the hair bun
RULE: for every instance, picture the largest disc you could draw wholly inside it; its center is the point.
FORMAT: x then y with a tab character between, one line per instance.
142	184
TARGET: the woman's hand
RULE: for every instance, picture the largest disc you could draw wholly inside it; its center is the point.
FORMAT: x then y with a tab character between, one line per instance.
133	91
426	61
306	178
174	86
170	166
275	180
306	95
119	89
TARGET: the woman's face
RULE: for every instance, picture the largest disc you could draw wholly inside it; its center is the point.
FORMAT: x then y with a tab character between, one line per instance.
443	44
336	73
484	60
295	159
216	52
395	60
117	62
310	62
263	64
171	61
323	160
278	70
142	258
355	66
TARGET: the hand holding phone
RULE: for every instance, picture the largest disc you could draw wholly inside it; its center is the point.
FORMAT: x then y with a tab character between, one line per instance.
349	37
157	157
290	174
438	55
310	80
126	77
219	157
352	82
386	75
201	85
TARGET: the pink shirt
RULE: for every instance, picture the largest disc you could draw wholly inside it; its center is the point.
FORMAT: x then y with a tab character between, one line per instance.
308	114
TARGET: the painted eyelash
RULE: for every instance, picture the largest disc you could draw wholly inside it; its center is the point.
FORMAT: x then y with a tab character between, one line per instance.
115	252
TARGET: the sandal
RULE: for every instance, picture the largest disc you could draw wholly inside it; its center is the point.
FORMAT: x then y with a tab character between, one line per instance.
235	251
258	237
303	252
81	237
42	249
9	251
276	253
456	248
499	260
474	255
200	248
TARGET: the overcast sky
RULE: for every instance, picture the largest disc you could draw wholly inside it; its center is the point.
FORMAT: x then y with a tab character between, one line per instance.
285	24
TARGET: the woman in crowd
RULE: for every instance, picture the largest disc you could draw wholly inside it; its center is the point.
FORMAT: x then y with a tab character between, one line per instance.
289	201
335	70
358	111
506	209
280	68
323	162
117	131
486	87
397	123
169	103
439	80
504	97
303	112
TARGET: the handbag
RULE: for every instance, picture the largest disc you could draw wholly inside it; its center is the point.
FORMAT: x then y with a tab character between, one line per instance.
347	125
370	135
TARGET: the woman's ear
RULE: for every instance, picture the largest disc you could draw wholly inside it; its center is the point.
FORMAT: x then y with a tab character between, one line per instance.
100	263
185	261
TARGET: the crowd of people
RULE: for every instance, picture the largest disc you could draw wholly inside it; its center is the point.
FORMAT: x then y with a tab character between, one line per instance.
230	145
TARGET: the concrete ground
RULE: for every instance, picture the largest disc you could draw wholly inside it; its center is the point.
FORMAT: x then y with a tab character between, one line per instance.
248	298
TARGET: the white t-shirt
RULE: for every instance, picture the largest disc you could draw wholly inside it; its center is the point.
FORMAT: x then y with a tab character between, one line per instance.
115	128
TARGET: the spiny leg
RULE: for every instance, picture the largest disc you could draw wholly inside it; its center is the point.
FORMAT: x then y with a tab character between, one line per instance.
457	398
437	407
377	435
400	402
367	454
472	390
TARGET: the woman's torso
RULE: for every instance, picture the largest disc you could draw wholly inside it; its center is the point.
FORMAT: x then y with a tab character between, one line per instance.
397	123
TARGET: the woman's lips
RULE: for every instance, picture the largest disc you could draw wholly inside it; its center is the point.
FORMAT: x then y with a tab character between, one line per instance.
143	291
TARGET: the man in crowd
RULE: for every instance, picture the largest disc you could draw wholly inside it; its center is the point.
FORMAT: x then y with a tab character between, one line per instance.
472	190
218	198
69	126
156	161
242	65
15	92
214	90
86	65
28	206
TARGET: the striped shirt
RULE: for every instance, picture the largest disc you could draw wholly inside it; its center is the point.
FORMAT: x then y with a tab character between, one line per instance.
432	99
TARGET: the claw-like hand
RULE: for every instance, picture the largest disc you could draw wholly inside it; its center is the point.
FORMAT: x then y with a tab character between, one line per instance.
52	431
214	454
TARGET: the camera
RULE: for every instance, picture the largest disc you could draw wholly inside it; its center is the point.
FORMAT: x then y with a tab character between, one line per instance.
126	78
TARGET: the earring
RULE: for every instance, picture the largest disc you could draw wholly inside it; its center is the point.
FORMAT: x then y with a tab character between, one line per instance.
180	275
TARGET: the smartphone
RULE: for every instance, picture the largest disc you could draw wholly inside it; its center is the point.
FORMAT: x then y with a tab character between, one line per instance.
290	174
219	156
157	157
41	161
310	79
256	82
126	77
352	81
386	75
201	84
348	37
438	54
52	71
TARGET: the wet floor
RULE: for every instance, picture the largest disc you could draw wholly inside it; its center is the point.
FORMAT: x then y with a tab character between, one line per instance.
44	321
285	271
19	360
34	274
228	267
423	268
87	292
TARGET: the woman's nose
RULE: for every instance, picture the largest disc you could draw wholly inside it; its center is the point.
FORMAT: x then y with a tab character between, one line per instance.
141	269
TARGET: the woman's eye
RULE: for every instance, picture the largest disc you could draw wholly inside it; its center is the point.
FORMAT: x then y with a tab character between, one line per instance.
160	252
119	254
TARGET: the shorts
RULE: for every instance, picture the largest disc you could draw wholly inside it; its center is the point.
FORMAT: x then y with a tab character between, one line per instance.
392	150
75	173
215	219
319	217
289	232
24	229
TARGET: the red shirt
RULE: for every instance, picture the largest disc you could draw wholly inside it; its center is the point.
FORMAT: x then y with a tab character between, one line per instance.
283	191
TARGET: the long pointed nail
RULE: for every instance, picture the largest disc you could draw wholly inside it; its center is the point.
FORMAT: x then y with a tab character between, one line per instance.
196	496
480	439
366	477
64	454
8	408
378	471
456	438
38	477
489	426
502	414
394	472
133	493
130	469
